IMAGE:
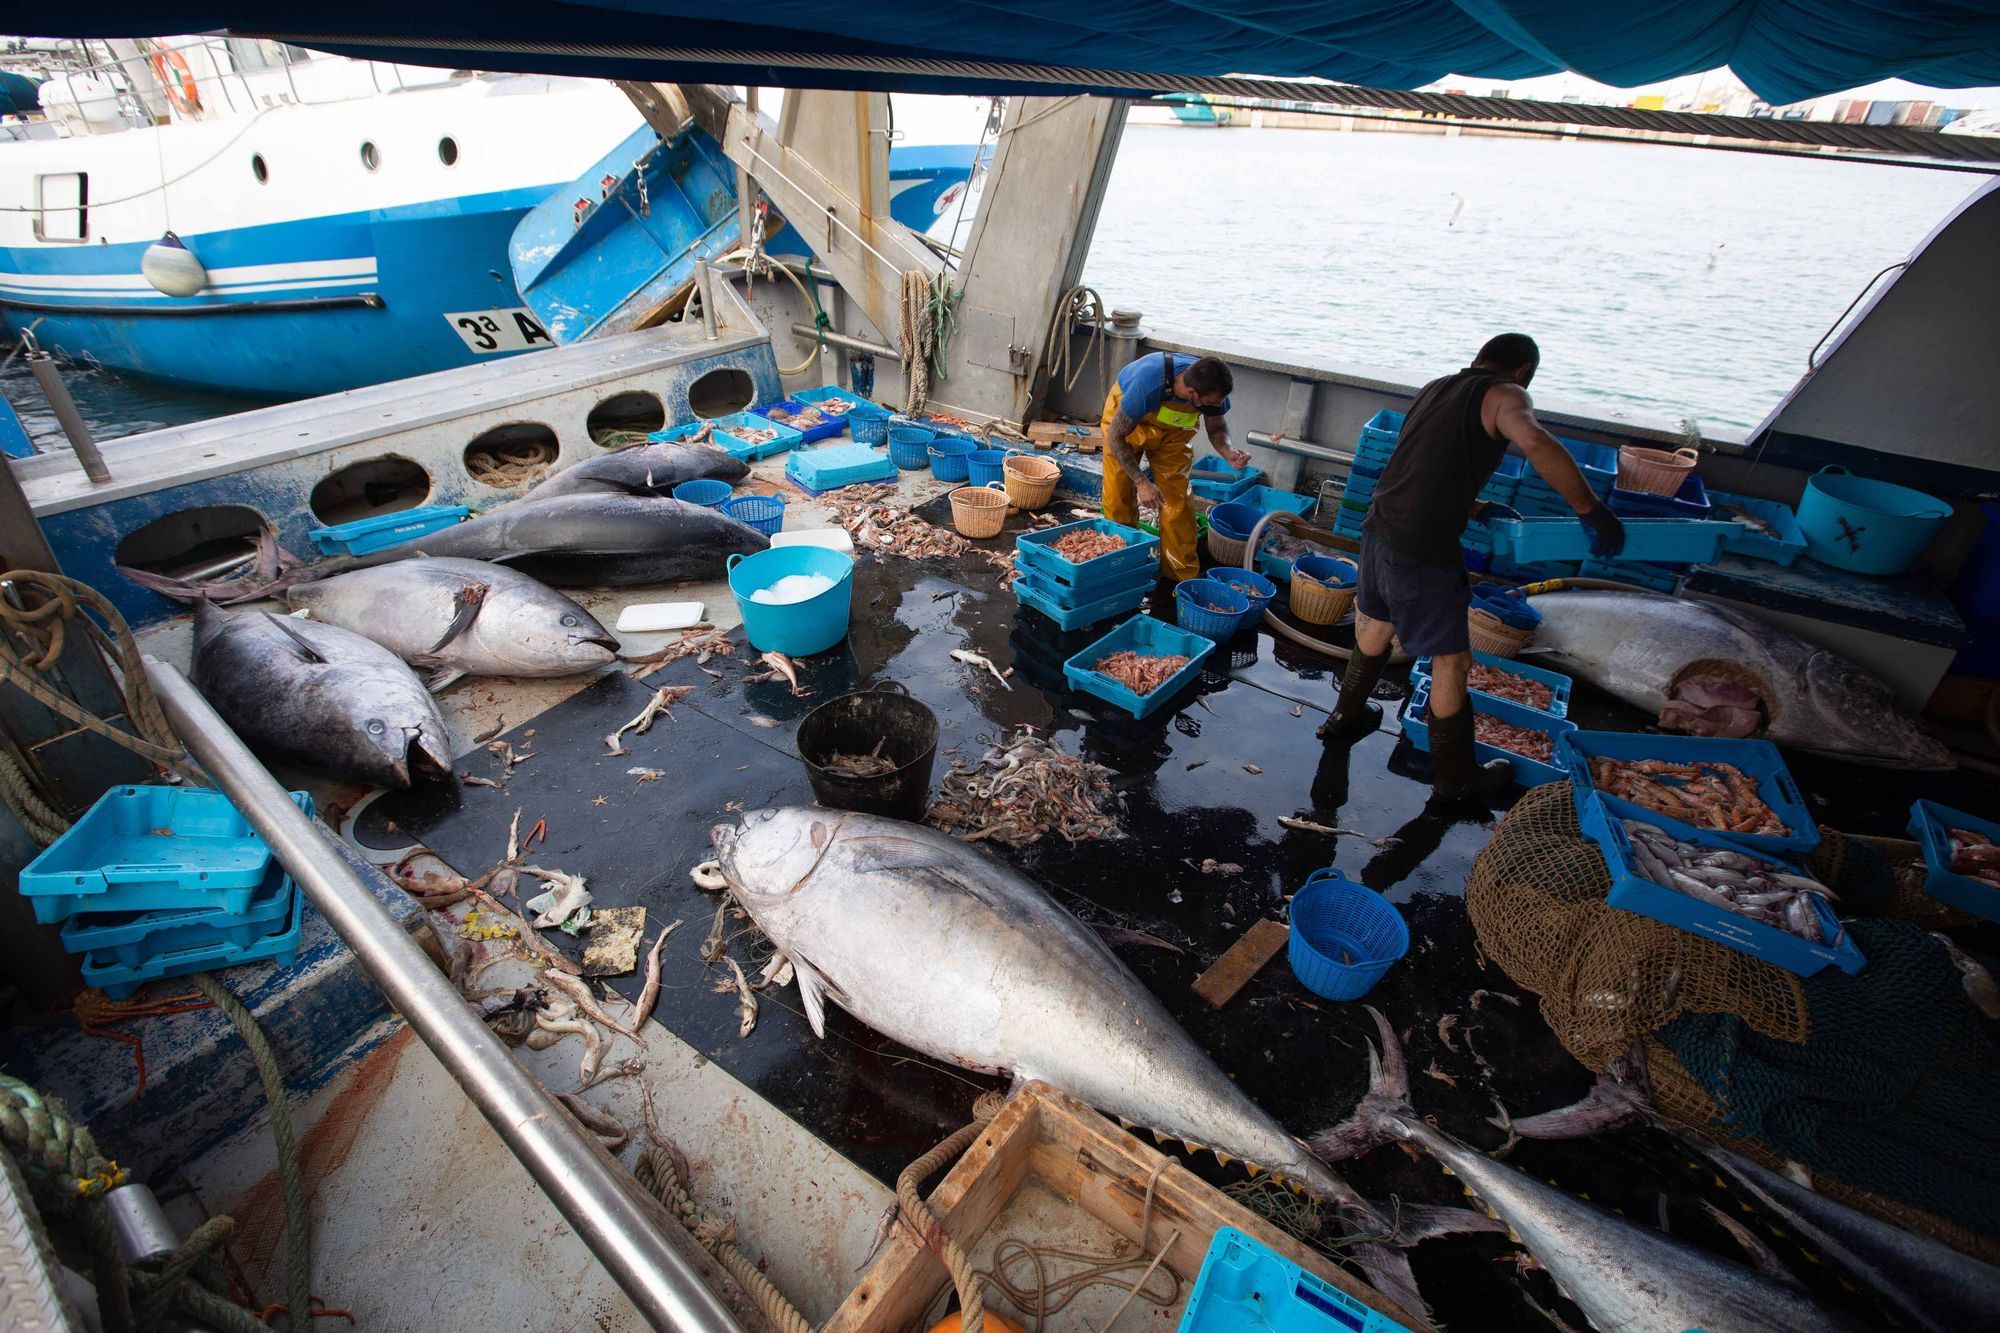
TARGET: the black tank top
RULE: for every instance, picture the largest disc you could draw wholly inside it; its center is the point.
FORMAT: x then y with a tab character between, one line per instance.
1441	460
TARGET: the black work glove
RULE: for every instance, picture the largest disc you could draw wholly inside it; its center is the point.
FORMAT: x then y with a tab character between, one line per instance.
1607	534
1490	510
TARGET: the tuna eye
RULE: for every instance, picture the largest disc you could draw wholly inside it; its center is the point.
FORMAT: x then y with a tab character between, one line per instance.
569	621
375	727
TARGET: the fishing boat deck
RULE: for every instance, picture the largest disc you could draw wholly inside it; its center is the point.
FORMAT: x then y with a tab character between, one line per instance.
798	1138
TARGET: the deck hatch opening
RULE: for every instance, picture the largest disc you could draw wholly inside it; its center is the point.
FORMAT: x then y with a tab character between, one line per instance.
633	410
379	485
514	454
721	391
200	543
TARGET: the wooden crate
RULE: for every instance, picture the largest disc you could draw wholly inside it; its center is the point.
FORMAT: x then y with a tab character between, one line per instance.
1082	436
1086	1159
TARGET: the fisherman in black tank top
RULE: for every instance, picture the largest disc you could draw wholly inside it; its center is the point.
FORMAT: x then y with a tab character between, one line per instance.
1413	585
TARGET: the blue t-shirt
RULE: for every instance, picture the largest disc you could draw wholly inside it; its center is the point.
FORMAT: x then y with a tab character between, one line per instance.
1143	383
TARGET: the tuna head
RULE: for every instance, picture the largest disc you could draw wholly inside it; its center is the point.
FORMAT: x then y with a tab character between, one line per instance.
541	632
769	856
1853	715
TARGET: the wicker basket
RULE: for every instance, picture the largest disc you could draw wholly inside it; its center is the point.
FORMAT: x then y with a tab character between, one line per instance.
1314	602
979	511
1655	471
1031	481
1225	550
1493	636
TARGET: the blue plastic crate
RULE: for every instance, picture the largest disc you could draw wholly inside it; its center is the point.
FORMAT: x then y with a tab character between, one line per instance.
1137	580
1140	634
1379	435
735	445
1597	462
1358	488
1036	552
1782	545
1046	598
1930	825
1690	501
1648	540
129	938
832	466
1213	479
1528	772
119	980
866	422
382	531
1633	892
1559	684
151	848
1274	501
1246	1285
1656	577
786	410
1758	760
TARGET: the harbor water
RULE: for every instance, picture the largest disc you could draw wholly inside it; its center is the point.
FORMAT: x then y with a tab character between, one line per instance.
1663	283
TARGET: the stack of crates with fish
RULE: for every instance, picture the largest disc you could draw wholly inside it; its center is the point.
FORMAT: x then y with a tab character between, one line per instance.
1710	836
159	882
1085	572
1525	737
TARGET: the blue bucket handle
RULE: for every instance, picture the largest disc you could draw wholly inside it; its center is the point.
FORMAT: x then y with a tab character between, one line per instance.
1834	468
733	561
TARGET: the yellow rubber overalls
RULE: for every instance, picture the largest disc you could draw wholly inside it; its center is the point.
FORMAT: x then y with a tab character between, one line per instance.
1160	439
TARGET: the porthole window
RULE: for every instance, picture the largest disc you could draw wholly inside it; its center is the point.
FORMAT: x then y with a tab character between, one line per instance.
258	169
369	157
448	151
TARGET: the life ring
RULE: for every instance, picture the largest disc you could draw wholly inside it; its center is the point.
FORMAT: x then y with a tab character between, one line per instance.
175	76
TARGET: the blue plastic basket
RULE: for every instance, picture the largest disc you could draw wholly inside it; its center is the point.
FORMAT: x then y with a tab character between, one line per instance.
1344	936
706	492
142	849
1145	635
832	466
786	408
865	422
983	466
1931	825
1332	570
381	531
119	980
1527	772
1256	589
1633	892
799	628
1213	479
910	447
1559	684
1245	1285
1234	518
1195	603
129	938
1046	598
1037	552
1758	760
949	458
765	513
1781	546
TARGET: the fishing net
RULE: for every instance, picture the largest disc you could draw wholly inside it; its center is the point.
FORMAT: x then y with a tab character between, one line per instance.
1886	1085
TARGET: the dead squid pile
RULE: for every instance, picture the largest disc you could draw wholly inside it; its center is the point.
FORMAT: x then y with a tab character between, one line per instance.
1705	794
1749	886
1018	792
1139	673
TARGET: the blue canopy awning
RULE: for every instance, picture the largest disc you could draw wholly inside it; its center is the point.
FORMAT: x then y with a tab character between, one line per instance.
1785	50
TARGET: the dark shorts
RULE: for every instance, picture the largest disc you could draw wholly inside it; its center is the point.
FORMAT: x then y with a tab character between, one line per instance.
1426	603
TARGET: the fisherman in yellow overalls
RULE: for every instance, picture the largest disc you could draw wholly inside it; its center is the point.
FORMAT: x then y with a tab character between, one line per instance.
1151	414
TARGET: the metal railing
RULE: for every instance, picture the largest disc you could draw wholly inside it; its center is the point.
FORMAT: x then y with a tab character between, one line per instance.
582	1181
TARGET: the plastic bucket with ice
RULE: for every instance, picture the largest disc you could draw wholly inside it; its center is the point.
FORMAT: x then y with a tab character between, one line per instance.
794	599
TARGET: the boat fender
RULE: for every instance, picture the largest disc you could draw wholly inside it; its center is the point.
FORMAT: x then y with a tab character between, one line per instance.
172	268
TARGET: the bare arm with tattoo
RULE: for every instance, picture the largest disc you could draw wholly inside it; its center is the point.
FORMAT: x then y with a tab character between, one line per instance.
1218	439
1117	445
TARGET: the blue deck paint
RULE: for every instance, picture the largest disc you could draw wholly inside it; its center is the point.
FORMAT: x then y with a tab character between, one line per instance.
1904	606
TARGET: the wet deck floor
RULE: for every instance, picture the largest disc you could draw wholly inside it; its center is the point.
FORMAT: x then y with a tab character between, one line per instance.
1185	792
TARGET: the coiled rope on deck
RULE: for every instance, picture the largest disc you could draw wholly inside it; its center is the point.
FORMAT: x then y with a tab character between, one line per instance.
924	324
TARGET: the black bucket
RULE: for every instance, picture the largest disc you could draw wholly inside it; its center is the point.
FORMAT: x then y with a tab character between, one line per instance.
886	715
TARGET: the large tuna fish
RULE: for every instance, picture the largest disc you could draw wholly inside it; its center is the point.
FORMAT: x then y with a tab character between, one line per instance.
646	469
1711	671
1626	1278
928	941
322	696
586	540
461	618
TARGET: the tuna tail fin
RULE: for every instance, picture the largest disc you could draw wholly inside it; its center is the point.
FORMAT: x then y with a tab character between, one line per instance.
1622	1096
1375	1117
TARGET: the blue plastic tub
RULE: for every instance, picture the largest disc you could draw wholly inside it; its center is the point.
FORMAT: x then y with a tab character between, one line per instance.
129	938
1037	552
949	458
1633	892
119	980
1675	541
1559	684
1344	936
832	466
1145	635
865	422
983	466
1274	501
1690	501
786	411
1235	518
1931	825
910	447
765	513
381	531
1245	1286
1333	570
704	491
1210	608
1255	588
802	628
1758	760
1068	614
1866	527
1528	772
1213	479
1781	545
142	849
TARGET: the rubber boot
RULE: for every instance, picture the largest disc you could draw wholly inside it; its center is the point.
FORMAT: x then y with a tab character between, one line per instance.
1456	775
1356	714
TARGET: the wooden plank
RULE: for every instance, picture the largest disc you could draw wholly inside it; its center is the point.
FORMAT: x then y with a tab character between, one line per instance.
1078	435
1227	975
